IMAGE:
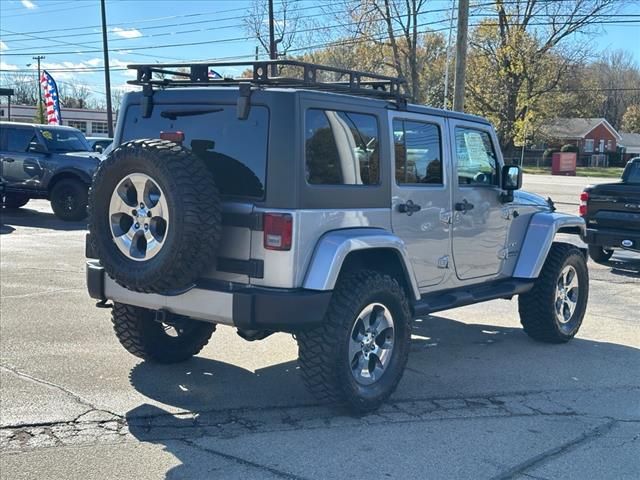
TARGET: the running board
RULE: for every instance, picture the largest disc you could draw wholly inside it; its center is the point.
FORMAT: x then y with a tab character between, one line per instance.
459	297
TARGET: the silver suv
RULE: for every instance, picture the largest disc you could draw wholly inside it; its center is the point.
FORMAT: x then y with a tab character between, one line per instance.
315	201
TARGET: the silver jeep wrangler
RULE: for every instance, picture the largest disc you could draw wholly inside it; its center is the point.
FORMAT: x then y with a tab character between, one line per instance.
315	201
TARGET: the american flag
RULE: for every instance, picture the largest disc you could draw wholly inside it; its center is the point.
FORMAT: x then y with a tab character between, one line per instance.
51	99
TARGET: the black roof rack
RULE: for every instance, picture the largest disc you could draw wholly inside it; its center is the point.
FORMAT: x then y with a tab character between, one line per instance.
272	73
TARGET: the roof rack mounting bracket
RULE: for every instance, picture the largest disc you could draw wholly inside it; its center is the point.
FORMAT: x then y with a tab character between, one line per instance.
147	101
243	105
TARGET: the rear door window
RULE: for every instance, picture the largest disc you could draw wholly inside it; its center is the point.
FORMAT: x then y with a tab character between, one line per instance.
234	150
418	153
341	148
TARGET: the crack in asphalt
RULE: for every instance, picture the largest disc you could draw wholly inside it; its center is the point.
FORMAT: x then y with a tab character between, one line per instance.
97	425
78	398
547	455
244	462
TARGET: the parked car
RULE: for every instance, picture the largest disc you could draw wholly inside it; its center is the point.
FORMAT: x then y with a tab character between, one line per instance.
612	214
99	144
336	212
52	162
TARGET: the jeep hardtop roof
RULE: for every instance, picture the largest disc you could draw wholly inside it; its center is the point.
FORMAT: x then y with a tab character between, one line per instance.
375	90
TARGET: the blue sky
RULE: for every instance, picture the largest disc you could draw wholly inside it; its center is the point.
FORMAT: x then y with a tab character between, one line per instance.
68	33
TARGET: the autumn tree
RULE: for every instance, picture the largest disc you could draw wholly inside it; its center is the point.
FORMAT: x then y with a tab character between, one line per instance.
287	21
631	119
524	54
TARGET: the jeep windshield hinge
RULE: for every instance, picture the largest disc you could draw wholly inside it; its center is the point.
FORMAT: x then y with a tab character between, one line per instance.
244	101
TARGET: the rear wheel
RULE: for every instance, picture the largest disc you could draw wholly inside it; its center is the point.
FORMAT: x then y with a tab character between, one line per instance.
599	254
14	200
69	199
174	340
358	355
553	310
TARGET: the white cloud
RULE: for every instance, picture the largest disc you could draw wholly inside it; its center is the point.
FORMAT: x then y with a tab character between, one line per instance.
28	4
8	66
127	32
94	62
3	46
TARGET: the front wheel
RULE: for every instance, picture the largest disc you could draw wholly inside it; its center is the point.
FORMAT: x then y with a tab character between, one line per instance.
176	340
553	310
69	199
358	355
599	254
14	200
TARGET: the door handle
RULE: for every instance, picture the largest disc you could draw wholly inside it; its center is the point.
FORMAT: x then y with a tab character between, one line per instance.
409	208
463	206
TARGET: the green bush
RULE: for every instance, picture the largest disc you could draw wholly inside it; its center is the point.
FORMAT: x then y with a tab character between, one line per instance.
569	148
548	153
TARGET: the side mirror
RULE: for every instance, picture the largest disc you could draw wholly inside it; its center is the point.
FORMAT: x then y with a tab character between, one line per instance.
511	180
37	147
98	148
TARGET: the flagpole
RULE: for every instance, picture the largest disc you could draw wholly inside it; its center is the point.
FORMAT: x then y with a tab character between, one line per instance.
107	78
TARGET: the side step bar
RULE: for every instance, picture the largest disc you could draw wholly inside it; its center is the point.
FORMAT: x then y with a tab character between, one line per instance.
459	297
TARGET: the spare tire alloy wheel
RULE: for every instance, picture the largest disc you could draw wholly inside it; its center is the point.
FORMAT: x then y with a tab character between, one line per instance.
371	343
139	217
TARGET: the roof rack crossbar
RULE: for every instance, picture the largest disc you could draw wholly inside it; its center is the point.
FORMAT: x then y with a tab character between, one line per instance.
274	73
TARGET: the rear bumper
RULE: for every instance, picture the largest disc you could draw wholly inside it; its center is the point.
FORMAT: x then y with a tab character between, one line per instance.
247	308
613	238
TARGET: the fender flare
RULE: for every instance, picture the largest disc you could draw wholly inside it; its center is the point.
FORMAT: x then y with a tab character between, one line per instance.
69	173
541	232
333	248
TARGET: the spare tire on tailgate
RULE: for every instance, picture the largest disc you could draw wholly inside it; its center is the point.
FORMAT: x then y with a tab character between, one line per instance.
155	216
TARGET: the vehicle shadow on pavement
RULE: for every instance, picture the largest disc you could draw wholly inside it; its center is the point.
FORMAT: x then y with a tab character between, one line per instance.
449	359
629	268
26	217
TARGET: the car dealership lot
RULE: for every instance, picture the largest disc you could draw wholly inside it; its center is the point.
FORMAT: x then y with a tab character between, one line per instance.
479	398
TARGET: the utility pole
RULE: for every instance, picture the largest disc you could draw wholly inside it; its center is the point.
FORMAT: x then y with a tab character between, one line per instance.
40	106
461	55
107	77
273	53
446	67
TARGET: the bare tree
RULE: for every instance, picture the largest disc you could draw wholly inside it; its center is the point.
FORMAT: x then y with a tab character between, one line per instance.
74	95
25	87
287	21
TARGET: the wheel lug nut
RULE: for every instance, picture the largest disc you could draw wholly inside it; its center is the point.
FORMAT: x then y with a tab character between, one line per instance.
134	213
149	214
141	205
146	226
137	225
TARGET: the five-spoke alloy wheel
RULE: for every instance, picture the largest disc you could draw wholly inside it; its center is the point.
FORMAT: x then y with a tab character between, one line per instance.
371	343
357	356
139	217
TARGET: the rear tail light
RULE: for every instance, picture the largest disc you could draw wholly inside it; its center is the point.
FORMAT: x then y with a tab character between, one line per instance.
584	200
177	137
278	231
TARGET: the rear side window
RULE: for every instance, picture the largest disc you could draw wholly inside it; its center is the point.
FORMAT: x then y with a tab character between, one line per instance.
18	139
477	161
341	148
235	151
417	152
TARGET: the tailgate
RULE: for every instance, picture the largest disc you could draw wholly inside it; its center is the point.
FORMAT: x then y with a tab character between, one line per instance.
616	207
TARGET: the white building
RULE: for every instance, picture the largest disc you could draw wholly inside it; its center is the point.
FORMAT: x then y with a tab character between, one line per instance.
93	123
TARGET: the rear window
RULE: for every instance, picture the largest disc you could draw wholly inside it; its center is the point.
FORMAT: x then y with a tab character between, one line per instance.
18	139
234	150
633	173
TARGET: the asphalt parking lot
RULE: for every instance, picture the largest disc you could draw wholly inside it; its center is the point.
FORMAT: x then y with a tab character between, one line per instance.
479	398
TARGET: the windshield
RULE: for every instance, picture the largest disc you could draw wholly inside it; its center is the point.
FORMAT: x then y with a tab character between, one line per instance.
59	140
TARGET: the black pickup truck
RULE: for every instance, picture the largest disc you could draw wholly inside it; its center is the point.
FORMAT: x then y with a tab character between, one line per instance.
612	213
